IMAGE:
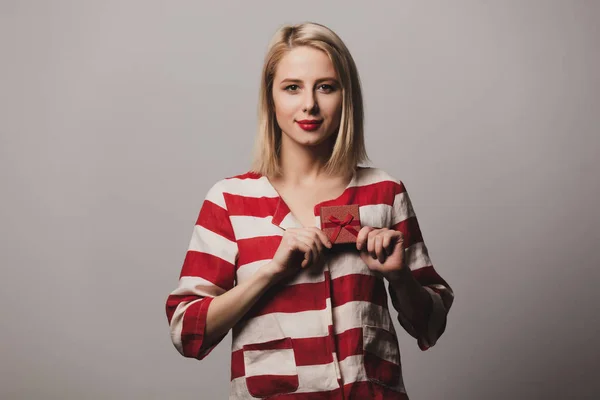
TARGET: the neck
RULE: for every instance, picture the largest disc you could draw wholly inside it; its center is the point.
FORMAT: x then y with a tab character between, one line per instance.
303	164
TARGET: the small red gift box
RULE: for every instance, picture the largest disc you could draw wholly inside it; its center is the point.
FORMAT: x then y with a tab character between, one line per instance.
341	223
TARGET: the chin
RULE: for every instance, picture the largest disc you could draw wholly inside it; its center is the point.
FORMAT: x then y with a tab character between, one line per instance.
310	138
314	142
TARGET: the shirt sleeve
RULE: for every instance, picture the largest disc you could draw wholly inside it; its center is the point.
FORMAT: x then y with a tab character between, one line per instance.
417	259
208	270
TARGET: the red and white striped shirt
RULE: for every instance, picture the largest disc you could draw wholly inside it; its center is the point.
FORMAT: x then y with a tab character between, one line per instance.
324	334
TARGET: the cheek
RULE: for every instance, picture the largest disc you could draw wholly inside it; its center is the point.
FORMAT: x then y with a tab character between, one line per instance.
332	105
285	106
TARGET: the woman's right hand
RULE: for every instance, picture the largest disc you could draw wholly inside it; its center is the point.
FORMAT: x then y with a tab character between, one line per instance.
299	248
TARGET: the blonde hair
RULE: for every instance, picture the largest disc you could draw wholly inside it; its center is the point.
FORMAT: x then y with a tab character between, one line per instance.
349	148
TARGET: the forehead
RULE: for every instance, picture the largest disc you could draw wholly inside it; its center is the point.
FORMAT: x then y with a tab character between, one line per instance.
304	63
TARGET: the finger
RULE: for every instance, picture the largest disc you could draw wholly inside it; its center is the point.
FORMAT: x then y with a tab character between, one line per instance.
312	236
379	250
389	242
301	246
312	250
371	243
322	241
307	258
323	237
312	240
362	237
399	237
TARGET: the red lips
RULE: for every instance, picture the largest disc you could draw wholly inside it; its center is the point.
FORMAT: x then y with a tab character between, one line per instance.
310	124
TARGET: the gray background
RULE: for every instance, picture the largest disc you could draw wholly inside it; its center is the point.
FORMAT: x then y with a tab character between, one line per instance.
117	116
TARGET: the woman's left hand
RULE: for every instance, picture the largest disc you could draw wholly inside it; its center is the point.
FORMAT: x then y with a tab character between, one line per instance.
382	249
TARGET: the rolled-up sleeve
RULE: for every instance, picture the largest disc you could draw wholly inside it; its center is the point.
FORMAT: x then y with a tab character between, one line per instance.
418	260
208	270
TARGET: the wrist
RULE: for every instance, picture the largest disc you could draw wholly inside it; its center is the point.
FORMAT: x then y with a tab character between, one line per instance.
400	277
270	272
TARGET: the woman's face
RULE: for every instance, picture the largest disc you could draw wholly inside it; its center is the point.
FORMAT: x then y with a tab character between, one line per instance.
307	96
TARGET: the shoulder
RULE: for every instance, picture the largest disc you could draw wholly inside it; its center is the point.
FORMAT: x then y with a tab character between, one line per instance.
246	184
367	176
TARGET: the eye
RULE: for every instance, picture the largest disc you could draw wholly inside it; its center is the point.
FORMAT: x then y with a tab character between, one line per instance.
291	88
326	88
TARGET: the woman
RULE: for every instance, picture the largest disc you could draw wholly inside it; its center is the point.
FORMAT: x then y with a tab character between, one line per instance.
309	314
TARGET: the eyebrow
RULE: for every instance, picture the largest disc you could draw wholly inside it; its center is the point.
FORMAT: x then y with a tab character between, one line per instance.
291	80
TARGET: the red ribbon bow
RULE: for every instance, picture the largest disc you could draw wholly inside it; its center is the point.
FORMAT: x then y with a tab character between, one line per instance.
347	224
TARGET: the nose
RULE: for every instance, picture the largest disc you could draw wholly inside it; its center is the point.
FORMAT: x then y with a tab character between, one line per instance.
310	102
